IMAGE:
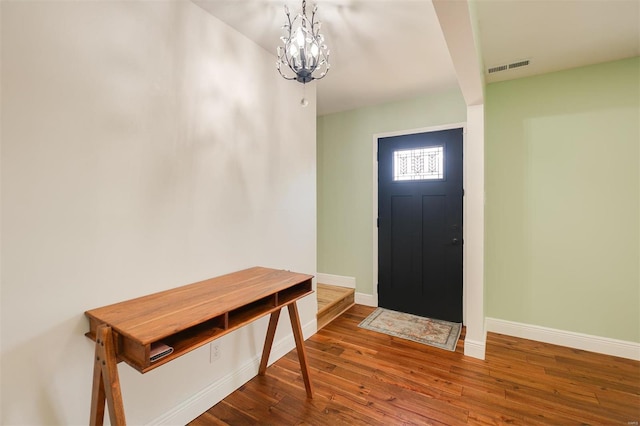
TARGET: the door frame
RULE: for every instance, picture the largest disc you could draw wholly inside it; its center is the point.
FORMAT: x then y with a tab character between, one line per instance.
376	138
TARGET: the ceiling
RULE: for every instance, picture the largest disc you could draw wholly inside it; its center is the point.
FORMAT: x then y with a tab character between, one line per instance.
388	50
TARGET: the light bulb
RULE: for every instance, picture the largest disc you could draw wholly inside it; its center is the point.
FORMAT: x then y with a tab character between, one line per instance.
300	37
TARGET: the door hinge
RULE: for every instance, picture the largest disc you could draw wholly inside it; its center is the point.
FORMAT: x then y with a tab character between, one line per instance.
378	223
378	156
463	192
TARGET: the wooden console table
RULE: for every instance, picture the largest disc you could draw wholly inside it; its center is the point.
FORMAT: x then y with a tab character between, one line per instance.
186	318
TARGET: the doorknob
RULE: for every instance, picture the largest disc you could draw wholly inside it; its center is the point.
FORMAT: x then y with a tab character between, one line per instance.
455	241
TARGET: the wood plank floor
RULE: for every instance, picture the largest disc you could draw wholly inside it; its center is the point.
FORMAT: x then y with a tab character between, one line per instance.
365	378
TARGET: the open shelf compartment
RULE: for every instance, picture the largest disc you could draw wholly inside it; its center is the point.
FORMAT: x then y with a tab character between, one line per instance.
293	293
182	342
251	311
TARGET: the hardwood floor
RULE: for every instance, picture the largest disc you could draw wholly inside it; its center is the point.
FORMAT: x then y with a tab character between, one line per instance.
366	378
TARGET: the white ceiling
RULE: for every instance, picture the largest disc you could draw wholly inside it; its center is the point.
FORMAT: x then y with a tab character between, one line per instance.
386	50
555	34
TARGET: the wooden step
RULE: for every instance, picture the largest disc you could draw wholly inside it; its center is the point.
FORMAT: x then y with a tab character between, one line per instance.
333	301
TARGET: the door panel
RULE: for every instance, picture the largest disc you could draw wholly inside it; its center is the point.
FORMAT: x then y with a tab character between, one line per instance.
420	224
401	254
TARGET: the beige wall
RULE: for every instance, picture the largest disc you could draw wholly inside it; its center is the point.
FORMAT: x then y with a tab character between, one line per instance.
562	200
143	147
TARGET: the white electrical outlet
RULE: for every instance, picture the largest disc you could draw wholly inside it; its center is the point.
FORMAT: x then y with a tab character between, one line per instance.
215	352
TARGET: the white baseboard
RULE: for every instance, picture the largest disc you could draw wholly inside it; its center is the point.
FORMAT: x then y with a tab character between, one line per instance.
603	345
474	349
217	391
366	299
337	280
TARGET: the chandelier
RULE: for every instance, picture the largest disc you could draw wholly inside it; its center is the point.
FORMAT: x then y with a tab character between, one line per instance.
303	52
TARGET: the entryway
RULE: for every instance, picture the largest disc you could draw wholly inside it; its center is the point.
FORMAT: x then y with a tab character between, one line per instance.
420	209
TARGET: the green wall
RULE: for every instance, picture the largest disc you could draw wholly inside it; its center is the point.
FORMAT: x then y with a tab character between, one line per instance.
562	200
345	177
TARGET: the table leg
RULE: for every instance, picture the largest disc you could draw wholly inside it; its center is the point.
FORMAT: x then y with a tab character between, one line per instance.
97	393
302	355
268	343
106	383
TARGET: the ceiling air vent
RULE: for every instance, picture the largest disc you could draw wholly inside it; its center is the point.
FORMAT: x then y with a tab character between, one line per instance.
497	69
519	64
510	66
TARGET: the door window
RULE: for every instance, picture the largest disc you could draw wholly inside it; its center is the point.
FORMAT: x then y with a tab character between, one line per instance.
426	163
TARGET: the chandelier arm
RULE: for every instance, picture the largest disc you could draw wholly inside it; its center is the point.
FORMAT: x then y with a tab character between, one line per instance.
285	50
322	75
288	60
287	57
290	25
284	76
326	68
288	66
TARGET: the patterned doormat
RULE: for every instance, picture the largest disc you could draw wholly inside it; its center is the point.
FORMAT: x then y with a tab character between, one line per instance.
432	332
